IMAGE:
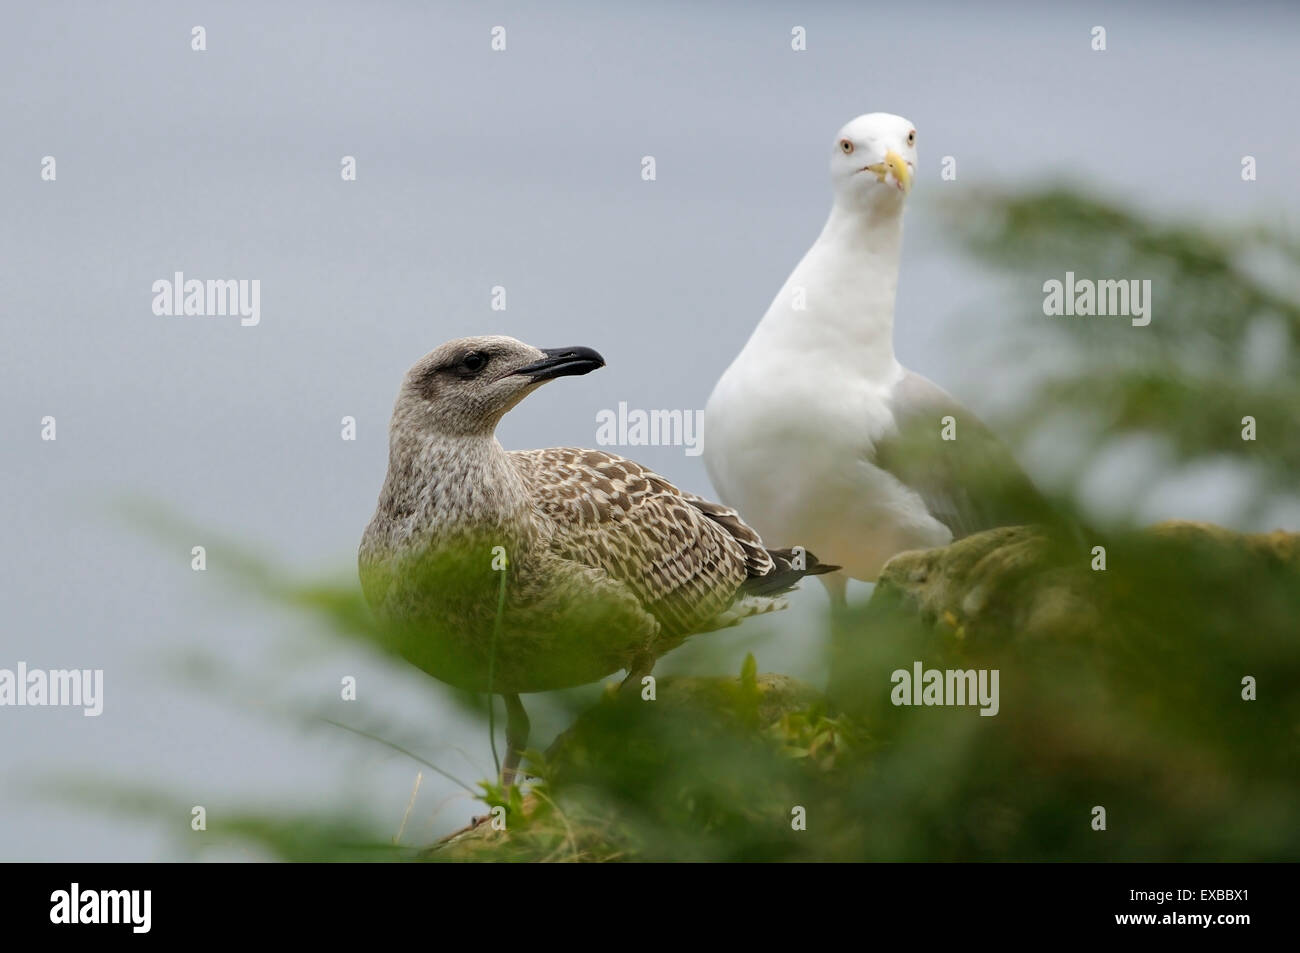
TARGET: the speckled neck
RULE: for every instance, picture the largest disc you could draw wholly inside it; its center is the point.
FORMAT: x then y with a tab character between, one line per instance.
444	488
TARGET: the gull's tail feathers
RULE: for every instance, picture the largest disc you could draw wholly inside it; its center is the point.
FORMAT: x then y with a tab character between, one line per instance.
786	572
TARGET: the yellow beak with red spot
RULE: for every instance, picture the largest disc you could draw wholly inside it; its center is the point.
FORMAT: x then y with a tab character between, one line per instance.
897	166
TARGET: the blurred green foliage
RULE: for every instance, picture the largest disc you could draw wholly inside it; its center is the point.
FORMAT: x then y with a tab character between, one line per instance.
1224	332
1120	688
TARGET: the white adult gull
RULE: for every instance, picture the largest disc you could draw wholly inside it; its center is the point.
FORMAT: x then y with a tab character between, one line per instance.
533	570
816	432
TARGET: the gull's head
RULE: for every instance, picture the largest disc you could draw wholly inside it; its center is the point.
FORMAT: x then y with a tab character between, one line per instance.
464	387
873	160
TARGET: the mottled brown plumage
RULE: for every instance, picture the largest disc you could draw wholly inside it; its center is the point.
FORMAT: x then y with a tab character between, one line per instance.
608	565
684	559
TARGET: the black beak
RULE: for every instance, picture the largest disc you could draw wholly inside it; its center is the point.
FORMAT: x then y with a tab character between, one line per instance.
562	362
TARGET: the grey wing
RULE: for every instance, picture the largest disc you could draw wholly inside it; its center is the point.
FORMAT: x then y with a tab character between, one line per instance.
970	483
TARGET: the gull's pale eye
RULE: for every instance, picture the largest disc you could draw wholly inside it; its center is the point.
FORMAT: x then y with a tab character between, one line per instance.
911	138
474	361
846	147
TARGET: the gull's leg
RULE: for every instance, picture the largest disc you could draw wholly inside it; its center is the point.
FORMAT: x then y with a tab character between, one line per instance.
837	585
517	729
639	669
844	646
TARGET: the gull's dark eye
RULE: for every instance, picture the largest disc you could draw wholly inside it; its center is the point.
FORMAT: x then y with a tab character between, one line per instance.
911	138
846	147
474	361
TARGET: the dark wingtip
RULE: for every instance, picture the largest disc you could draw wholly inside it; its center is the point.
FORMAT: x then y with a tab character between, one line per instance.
784	577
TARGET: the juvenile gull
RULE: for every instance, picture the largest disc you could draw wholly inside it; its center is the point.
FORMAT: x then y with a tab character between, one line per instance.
816	432
607	564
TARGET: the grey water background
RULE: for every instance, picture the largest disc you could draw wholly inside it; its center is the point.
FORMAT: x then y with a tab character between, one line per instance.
476	169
